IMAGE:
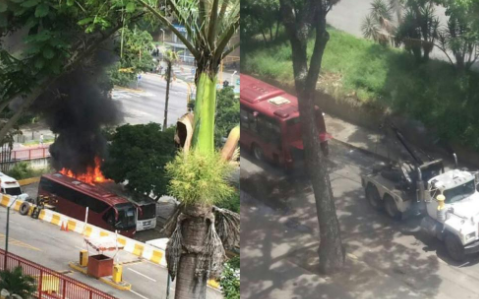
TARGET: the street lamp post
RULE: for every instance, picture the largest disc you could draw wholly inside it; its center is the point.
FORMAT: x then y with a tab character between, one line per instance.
168	287
6	234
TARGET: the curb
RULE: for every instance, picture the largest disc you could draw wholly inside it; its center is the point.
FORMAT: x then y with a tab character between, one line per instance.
125	287
29	181
142	250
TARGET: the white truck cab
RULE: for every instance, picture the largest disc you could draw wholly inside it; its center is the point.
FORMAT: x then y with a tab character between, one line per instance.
10	186
457	223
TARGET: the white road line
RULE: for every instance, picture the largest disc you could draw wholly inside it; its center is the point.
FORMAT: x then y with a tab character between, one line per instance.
142	275
139	295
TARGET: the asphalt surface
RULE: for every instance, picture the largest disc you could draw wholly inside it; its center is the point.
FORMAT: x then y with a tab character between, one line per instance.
280	241
47	245
147	104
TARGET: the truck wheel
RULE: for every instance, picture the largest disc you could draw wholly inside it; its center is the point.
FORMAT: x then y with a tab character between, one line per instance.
391	208
24	208
454	247
372	195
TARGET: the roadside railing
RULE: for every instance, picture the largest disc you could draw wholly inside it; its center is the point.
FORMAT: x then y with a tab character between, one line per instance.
30	153
51	284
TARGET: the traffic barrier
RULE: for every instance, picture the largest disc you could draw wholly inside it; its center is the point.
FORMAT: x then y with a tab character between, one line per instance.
145	251
28	181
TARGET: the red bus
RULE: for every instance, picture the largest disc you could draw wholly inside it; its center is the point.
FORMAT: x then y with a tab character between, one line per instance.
106	210
270	125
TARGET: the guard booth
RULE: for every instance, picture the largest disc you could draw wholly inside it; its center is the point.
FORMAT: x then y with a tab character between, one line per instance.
100	265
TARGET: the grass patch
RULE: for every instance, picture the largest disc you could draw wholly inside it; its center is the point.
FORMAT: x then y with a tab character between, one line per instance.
433	92
23	170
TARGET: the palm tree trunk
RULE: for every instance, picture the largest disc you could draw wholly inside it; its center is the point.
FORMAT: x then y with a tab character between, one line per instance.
194	233
167	96
205	104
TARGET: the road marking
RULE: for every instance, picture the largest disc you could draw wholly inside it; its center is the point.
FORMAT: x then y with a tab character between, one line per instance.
19	243
139	295
147	277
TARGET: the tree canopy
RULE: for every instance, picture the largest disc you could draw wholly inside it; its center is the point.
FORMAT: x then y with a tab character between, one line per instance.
138	154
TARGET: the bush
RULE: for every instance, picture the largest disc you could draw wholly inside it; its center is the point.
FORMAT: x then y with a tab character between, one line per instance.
23	170
230	280
434	93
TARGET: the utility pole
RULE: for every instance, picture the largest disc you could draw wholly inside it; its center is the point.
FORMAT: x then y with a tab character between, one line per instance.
6	234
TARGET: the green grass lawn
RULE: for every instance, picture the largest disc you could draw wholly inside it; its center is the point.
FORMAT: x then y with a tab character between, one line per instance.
433	92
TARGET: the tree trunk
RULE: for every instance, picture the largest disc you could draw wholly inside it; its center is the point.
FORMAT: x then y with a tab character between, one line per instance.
205	104
167	96
194	231
331	251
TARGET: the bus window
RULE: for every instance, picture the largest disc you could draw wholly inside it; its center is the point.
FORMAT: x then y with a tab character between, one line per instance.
269	129
126	216
148	211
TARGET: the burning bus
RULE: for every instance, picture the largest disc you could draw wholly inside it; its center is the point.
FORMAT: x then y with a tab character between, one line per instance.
106	210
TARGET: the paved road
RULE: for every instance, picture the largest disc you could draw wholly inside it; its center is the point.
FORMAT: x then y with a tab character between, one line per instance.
148	103
47	245
280	239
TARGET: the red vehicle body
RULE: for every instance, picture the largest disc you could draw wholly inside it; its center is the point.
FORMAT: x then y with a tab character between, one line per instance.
270	125
106	210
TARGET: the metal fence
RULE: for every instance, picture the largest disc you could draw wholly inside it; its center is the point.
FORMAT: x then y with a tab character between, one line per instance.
31	153
51	284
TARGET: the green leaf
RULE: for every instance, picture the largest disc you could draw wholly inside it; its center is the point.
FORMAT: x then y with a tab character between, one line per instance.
3	6
31	22
85	21
42	10
19	12
30	3
70	2
90	28
48	53
44	35
130	7
39	63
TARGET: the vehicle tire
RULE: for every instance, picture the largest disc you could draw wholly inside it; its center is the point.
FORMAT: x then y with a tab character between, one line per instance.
454	247
24	208
257	152
391	208
372	195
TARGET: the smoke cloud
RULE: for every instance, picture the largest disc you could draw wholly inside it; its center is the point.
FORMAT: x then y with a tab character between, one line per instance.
76	109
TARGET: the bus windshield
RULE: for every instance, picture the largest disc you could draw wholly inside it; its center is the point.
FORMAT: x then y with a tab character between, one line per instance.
126	216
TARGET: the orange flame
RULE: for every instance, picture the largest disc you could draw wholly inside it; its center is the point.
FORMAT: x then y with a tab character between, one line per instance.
93	174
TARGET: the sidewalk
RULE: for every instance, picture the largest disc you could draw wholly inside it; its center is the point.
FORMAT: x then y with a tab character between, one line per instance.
382	146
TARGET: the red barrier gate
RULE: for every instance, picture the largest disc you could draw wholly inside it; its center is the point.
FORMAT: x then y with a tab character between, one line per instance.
51	284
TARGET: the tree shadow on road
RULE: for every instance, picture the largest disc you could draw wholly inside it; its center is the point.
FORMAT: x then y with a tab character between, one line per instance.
279	256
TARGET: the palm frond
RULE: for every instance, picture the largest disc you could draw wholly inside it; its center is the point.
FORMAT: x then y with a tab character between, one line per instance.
228	227
370	28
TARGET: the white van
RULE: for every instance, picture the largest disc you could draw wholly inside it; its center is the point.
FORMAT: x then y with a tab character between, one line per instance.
10	186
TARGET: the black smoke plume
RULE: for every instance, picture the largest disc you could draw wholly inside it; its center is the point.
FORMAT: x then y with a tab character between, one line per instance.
76	109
